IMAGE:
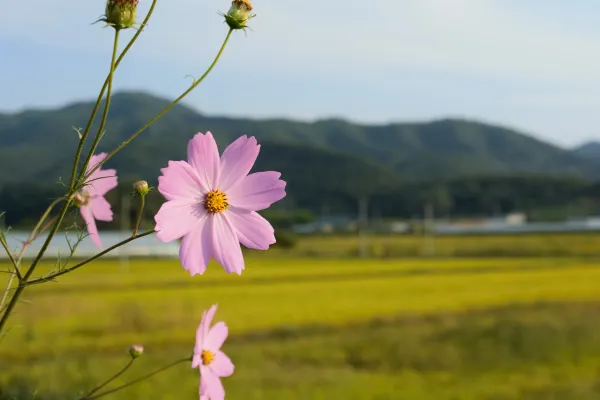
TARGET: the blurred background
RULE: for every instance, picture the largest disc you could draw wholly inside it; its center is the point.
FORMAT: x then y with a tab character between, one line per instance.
440	238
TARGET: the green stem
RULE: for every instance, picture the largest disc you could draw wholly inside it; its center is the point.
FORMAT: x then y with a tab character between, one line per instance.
106	106
17	263
14	263
166	109
101	95
133	382
43	218
112	378
89	260
139	217
63	211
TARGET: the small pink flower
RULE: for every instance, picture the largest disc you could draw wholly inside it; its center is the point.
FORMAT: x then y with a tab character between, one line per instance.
212	203
92	204
213	363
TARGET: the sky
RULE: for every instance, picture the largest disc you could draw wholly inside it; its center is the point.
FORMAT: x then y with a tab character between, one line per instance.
530	65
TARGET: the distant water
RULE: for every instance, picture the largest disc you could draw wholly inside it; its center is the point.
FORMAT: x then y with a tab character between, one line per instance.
145	246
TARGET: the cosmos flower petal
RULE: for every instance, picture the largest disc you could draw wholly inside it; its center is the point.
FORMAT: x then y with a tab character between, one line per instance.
257	191
226	246
200	335
203	389
216	337
176	218
101	182
86	214
100	209
214	386
222	365
180	181
203	156
196	360
196	247
206	321
94	161
253	231
237	161
96	207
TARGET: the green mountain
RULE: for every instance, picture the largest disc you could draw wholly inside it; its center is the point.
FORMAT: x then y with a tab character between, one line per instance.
36	145
590	150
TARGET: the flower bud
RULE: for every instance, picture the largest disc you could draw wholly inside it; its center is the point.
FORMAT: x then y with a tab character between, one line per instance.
136	350
141	188
238	15
121	13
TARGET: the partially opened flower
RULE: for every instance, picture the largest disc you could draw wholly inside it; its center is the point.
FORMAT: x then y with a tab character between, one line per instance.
92	204
213	363
212	203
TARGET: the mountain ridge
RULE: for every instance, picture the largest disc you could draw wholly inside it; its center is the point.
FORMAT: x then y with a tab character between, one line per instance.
435	150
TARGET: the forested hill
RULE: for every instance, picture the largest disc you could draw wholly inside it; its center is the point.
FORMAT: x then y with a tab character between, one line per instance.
36	145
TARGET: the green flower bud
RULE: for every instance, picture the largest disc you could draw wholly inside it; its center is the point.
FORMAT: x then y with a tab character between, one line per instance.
136	350
141	188
238	15
121	13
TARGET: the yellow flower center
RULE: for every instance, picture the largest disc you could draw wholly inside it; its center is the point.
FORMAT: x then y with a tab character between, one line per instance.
215	202
207	357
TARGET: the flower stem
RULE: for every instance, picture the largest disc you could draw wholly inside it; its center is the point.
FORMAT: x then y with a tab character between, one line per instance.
35	233
63	211
133	382
106	105
14	263
101	95
139	217
112	378
166	109
89	260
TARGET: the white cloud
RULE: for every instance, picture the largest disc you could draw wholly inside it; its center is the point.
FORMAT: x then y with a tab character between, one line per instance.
496	59
342	38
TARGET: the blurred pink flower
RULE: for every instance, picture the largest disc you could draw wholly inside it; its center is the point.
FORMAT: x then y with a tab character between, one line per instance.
212	203
92	204
213	363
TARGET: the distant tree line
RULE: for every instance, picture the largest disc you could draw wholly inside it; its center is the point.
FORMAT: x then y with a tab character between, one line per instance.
542	198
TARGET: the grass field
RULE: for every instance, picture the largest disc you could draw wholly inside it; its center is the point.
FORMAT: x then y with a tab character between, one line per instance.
395	246
310	328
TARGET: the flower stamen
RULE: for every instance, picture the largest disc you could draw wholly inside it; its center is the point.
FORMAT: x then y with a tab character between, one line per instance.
215	201
207	357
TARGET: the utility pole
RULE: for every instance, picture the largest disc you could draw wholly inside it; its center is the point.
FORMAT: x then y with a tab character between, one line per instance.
428	231
363	223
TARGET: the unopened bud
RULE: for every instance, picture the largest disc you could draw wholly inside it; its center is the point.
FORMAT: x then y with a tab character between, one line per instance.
141	188
136	350
238	15
121	13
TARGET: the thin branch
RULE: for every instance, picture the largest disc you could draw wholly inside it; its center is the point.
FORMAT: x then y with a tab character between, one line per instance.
12	260
109	380
81	264
84	175
133	382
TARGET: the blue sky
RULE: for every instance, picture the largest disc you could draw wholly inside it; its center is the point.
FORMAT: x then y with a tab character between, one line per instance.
533	65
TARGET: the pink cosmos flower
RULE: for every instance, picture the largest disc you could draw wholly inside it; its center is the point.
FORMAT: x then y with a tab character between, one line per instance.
213	363
92	204
212	203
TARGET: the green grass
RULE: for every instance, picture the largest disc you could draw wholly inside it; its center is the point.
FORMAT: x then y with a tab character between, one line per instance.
321	329
394	246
